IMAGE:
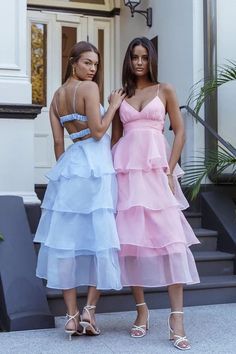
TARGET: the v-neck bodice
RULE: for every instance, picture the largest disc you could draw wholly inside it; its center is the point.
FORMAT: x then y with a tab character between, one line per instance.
152	115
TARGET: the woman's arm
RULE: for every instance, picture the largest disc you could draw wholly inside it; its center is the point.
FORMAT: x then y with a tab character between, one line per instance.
117	129
57	131
97	125
176	120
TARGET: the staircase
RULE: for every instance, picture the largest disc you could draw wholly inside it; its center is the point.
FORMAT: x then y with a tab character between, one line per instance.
216	270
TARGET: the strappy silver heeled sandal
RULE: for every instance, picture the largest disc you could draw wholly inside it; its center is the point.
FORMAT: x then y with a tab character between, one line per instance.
88	327
140	331
177	340
72	332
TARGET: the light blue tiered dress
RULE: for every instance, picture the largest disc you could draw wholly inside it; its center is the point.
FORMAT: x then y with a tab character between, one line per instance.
77	230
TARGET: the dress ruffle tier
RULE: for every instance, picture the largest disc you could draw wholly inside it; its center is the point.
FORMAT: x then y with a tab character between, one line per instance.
77	230
154	234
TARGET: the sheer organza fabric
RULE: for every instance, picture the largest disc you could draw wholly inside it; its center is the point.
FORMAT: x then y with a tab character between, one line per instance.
77	230
154	234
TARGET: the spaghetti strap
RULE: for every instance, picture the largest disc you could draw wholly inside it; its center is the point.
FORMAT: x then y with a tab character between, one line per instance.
74	108
158	87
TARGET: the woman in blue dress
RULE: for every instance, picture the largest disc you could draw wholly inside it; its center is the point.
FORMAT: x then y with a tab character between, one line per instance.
77	231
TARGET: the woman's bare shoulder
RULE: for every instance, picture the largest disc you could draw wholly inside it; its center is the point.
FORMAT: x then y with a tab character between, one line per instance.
58	94
166	87
89	85
88	88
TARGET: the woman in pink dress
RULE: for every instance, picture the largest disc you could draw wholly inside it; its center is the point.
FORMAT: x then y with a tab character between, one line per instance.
154	234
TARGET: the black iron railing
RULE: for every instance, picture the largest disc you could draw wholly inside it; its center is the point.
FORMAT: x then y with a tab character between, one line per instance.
225	177
226	144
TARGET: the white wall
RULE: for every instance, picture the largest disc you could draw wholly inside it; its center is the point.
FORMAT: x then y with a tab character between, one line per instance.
179	26
173	24
176	24
130	27
14	83
226	50
16	135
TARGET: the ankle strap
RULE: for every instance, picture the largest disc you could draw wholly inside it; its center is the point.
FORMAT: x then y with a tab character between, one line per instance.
89	307
176	312
168	320
143	303
72	316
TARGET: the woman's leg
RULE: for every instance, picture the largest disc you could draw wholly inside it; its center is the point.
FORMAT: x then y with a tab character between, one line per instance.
92	299
176	320
70	298
93	296
142	311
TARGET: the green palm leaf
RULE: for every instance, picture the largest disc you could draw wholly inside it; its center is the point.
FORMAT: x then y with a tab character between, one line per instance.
204	88
198	169
213	163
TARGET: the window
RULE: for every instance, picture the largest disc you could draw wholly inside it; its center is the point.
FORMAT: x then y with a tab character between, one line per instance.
68	39
39	63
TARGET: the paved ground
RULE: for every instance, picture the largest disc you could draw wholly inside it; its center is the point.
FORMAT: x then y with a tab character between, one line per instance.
211	329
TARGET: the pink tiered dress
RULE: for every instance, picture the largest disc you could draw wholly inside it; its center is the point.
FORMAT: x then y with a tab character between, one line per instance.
154	234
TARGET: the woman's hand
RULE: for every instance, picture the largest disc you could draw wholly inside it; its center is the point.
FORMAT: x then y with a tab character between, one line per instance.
171	183
97	124
116	97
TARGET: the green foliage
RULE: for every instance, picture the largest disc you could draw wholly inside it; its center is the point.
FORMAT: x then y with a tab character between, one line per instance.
197	170
204	88
211	163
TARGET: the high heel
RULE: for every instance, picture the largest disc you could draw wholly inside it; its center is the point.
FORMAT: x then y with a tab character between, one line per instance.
88	327
175	337
72	332
142	329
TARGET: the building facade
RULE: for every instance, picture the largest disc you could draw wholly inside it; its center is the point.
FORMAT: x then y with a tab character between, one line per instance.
36	36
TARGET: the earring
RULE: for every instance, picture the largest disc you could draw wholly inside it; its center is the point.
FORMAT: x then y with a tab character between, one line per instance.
73	71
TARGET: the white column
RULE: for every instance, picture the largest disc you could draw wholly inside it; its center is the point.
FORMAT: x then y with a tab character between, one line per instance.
16	135
117	51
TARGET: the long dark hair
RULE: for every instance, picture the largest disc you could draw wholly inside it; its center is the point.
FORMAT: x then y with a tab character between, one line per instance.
75	53
128	76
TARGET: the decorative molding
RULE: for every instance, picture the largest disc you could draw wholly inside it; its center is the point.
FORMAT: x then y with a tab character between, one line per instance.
86	12
14	78
105	5
88	2
13	26
19	111
7	66
61	17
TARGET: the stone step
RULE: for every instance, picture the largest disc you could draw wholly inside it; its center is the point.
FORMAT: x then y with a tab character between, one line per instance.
208	239
194	218
211	290
210	263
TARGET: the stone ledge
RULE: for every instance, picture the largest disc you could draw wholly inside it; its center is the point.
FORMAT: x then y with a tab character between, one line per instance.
19	111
